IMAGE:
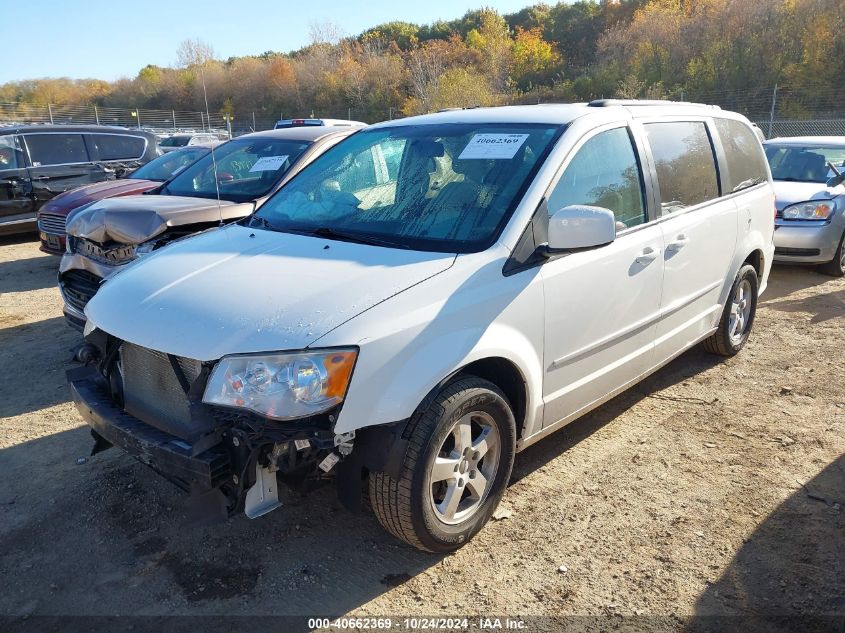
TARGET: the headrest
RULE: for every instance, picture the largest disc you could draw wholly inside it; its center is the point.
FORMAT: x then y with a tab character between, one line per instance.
425	148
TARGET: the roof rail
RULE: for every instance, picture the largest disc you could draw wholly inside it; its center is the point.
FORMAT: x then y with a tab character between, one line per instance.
604	103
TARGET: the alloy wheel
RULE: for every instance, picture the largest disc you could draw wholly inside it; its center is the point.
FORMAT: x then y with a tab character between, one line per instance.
740	312
464	469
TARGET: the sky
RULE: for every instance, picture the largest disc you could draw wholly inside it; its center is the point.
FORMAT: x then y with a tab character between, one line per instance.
111	39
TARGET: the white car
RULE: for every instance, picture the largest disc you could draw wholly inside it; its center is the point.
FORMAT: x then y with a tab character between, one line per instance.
427	298
175	141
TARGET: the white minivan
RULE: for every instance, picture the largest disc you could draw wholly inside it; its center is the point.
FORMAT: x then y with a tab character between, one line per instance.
427	298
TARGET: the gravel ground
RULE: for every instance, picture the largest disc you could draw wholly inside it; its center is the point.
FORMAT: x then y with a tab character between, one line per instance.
713	488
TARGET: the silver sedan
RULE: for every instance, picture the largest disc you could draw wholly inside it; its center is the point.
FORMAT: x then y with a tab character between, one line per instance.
808	175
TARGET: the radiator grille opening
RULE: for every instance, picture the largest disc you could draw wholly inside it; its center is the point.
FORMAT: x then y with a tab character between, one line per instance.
78	287
52	223
152	393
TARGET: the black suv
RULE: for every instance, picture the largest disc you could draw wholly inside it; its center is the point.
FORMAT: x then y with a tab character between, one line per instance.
38	162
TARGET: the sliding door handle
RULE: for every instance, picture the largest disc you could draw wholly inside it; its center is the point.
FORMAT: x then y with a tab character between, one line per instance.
678	243
647	256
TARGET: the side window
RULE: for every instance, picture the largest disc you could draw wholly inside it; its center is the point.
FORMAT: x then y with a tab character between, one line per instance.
686	169
744	156
56	149
119	147
10	153
604	173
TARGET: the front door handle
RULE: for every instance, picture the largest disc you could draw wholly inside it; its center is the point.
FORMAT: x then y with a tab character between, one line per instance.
647	256
678	243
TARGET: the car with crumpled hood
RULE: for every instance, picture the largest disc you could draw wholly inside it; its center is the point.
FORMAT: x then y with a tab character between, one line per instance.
53	215
228	184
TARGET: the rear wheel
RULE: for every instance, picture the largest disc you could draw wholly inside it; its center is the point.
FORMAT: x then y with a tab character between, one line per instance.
836	266
455	470
737	316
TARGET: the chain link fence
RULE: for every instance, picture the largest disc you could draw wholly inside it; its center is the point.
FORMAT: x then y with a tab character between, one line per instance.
243	123
164	120
169	120
818	127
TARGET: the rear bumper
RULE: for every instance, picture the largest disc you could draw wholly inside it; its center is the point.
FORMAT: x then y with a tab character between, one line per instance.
168	455
806	242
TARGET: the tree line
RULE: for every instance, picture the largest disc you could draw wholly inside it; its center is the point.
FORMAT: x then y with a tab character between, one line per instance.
730	52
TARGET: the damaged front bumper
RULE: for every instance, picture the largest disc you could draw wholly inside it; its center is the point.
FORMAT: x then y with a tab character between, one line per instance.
170	456
231	469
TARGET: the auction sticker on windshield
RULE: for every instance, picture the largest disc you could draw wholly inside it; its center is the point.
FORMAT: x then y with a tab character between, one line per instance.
269	163
495	146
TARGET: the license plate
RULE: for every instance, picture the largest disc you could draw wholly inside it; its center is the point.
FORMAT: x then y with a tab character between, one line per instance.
53	241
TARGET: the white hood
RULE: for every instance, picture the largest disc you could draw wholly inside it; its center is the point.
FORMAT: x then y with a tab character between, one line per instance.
240	290
787	193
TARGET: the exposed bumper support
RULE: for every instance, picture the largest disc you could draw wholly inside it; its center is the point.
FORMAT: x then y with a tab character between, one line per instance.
166	454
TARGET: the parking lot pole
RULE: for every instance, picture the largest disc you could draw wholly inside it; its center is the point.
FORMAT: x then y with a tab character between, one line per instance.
50	112
772	112
173	112
96	115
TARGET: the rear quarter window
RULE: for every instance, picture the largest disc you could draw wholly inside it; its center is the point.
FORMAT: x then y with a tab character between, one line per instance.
685	164
56	149
119	147
744	157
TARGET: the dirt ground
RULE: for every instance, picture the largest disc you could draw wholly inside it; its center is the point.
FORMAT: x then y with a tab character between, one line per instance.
713	488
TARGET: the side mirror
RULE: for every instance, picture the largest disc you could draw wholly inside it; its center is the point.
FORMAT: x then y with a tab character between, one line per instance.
580	227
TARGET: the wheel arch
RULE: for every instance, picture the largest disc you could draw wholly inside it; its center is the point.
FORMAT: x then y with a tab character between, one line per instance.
508	378
757	259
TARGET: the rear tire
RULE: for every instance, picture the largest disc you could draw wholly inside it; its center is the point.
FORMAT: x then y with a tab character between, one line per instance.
836	266
455	469
737	316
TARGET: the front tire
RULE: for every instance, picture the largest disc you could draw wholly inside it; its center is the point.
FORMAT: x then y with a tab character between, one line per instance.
836	266
456	467
737	316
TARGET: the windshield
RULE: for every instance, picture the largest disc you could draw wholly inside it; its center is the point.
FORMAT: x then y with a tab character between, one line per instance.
804	164
246	169
175	141
447	188
166	166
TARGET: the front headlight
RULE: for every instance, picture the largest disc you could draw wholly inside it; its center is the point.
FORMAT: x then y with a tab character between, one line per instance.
282	386
812	210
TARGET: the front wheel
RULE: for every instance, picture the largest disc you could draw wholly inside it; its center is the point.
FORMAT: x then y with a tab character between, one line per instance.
737	316
836	266
455	469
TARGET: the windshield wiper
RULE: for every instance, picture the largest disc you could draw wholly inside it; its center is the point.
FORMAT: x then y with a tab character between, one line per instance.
357	238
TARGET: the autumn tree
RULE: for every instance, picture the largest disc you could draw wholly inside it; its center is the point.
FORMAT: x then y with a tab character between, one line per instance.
729	52
534	59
